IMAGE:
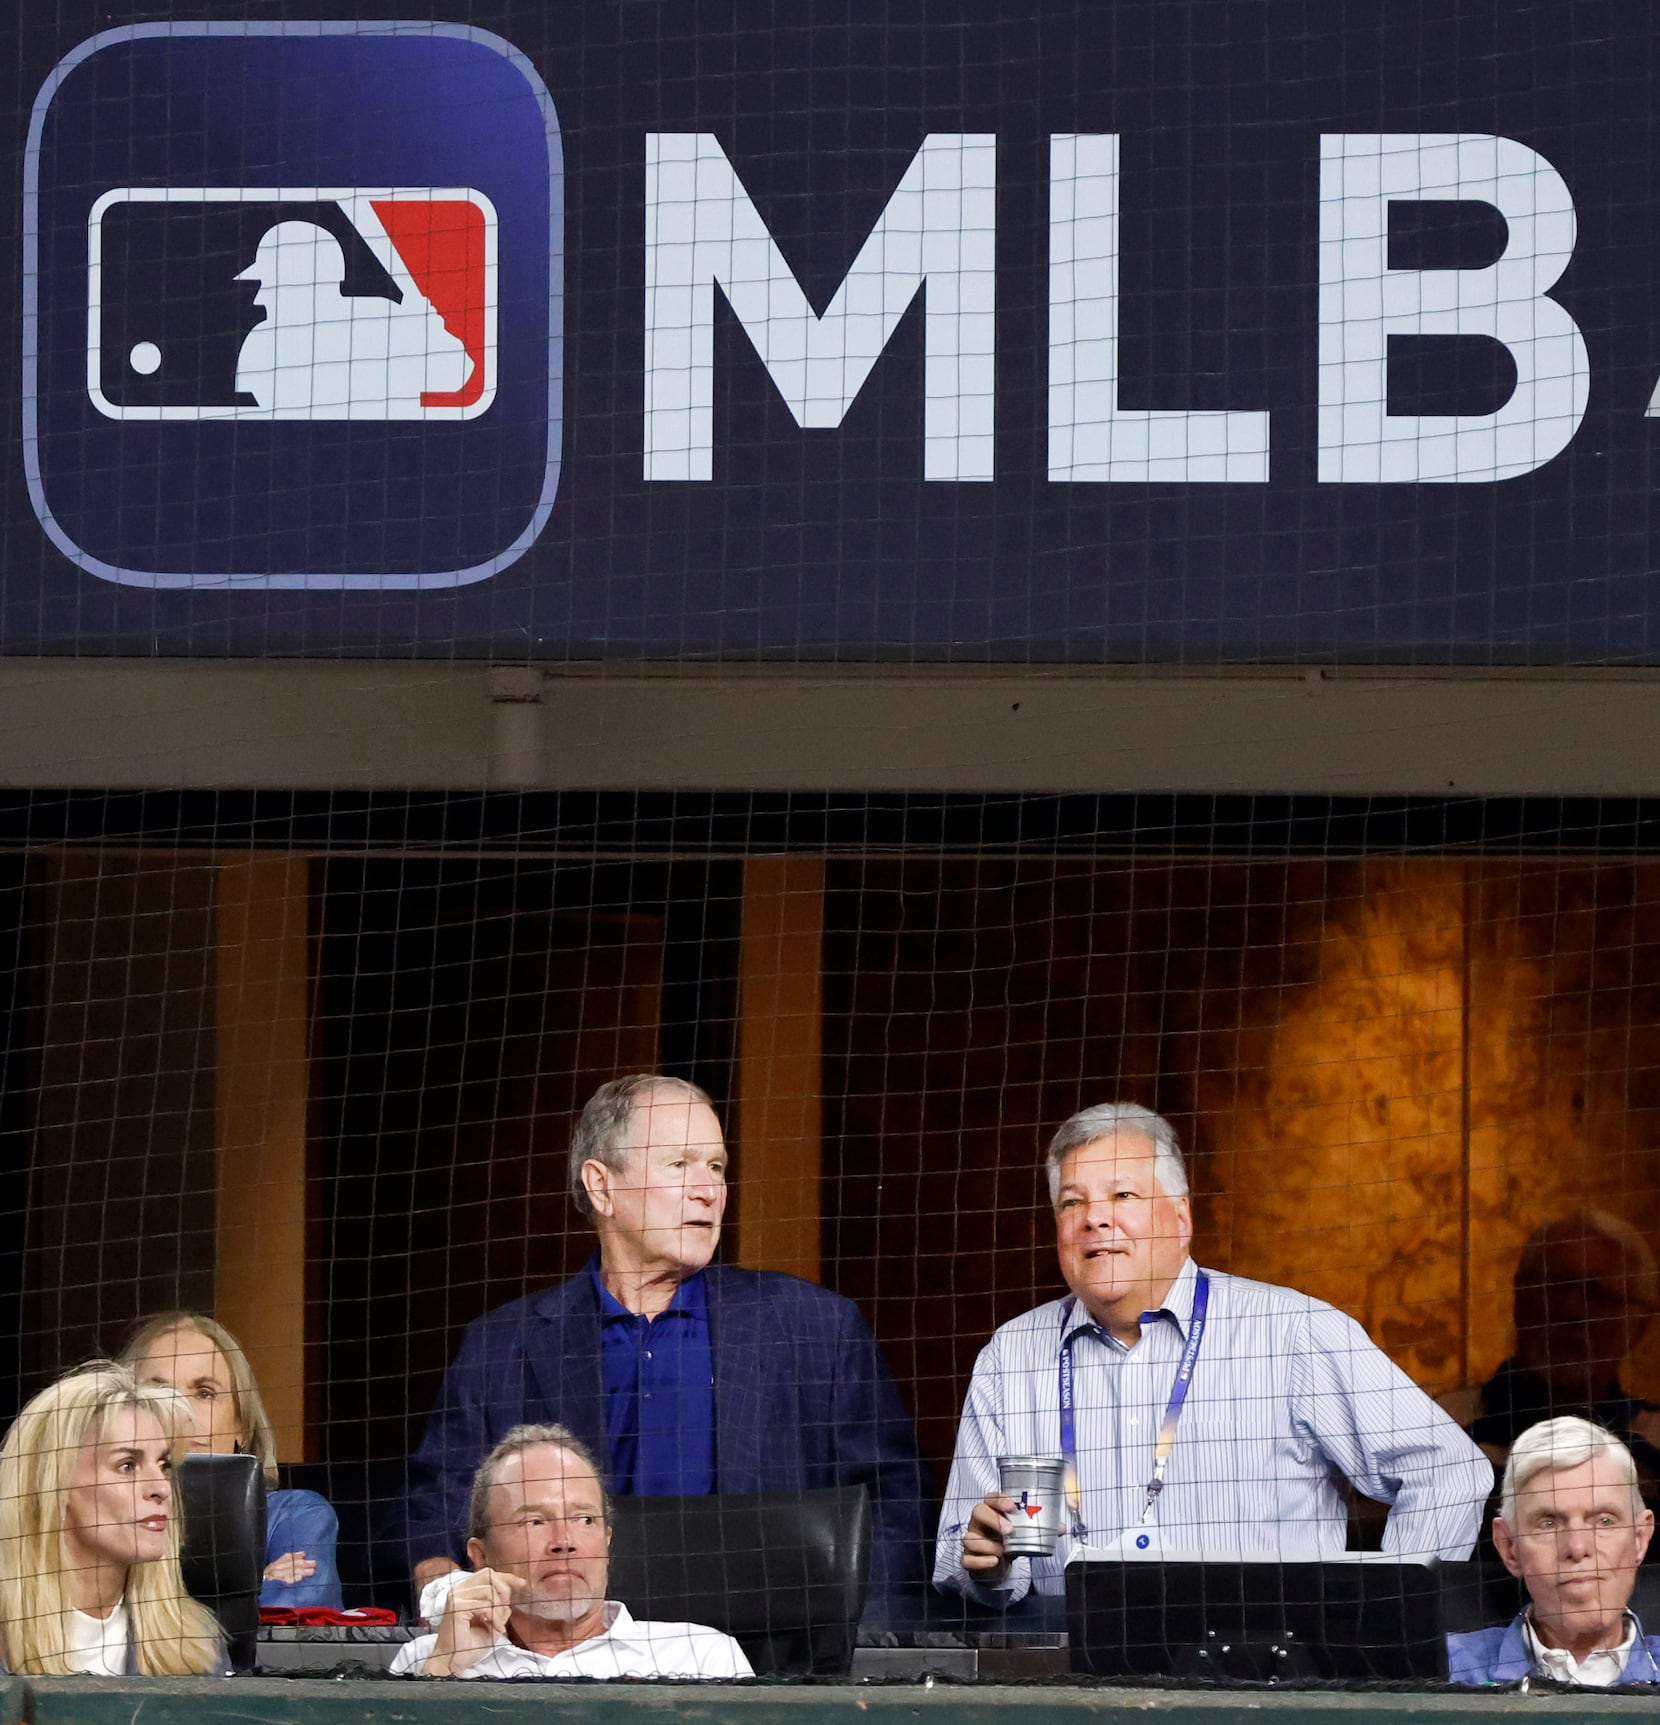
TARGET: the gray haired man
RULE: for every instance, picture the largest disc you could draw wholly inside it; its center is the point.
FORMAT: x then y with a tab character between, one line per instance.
685	1376
1196	1412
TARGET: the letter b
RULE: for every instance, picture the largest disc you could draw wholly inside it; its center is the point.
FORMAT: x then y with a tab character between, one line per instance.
1363	302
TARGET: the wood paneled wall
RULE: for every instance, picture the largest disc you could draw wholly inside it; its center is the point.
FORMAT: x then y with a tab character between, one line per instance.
1389	1071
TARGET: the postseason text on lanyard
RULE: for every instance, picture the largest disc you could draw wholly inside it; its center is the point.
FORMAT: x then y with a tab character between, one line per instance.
1172	1412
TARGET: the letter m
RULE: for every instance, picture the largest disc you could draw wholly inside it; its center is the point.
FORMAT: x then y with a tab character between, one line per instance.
702	230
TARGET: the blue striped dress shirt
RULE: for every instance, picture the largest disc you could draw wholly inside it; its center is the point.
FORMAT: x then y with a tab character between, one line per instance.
1290	1396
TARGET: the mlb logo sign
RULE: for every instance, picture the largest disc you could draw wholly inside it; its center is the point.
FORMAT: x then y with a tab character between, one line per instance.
345	373
423	347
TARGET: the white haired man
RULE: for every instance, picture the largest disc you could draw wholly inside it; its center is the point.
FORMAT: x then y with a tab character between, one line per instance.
1195	1411
1572	1527
534	1605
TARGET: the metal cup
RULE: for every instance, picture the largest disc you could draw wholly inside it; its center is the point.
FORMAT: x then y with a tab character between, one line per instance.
1037	1483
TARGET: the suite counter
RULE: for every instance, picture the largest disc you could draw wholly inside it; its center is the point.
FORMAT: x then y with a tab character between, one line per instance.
298	1701
985	1657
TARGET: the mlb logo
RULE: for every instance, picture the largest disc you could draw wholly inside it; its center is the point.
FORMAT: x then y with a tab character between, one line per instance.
420	343
342	373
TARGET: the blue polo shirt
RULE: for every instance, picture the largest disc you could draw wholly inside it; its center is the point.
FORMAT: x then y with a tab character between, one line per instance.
658	1376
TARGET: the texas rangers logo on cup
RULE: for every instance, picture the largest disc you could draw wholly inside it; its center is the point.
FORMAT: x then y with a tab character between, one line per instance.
359	303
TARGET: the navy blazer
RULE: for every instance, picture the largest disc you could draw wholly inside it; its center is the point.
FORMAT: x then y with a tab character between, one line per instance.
1501	1656
803	1399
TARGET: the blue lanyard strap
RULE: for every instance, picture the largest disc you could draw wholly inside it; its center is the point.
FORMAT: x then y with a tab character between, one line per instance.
1172	1412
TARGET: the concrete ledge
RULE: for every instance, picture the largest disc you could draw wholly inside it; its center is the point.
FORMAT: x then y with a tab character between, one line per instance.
124	724
275	1701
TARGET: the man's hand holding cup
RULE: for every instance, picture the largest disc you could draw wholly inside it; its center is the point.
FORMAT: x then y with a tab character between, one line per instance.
1022	1519
989	1526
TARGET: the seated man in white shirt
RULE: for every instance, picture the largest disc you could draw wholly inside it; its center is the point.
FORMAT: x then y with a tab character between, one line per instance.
1572	1526
1289	1397
534	1604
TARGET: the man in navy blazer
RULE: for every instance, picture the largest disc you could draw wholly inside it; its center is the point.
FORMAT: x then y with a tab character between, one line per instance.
1572	1526
684	1375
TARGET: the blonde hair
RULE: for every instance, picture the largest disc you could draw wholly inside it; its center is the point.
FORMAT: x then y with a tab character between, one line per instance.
257	1436
173	1635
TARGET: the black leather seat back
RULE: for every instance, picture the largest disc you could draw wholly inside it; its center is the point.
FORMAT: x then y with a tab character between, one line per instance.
784	1573
222	1500
1484	1595
367	1498
1476	1595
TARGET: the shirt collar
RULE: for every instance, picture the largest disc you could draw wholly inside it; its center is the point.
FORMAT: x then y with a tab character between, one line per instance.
1177	1307
1178	1303
1559	1663
691	1298
615	1622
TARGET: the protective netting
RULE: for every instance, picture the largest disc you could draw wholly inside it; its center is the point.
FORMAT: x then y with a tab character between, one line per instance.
328	1098
662	414
1043	333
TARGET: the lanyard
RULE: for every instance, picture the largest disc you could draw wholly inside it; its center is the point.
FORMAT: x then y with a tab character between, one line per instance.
1172	1412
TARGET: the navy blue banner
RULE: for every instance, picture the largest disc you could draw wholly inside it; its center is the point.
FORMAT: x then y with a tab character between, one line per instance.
1181	332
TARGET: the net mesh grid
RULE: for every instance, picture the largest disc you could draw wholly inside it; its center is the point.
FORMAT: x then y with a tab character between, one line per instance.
865	355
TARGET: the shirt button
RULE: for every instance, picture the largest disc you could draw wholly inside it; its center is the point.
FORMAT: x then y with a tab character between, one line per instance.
648	1353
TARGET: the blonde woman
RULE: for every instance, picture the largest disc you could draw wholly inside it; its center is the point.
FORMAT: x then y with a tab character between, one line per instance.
205	1363
89	1537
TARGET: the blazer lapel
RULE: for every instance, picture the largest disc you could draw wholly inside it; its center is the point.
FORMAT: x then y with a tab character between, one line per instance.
1640	1666
1513	1662
737	1343
561	1344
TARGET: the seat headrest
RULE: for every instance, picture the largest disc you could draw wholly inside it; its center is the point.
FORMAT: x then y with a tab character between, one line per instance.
222	1502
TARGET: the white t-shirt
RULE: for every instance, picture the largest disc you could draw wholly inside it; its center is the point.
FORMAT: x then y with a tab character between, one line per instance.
98	1645
623	1648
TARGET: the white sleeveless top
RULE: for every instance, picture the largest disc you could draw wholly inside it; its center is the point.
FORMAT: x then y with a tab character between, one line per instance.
98	1645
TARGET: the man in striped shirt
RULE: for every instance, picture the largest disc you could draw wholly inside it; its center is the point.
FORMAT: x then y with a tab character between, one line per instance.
1289	1397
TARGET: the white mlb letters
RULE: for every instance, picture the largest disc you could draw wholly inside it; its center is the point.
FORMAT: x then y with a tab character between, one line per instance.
937	238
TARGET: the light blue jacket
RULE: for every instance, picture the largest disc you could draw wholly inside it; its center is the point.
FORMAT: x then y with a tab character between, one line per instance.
302	1521
1501	1656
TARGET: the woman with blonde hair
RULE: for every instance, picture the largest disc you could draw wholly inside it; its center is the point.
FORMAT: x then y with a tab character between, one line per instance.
205	1363
89	1534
